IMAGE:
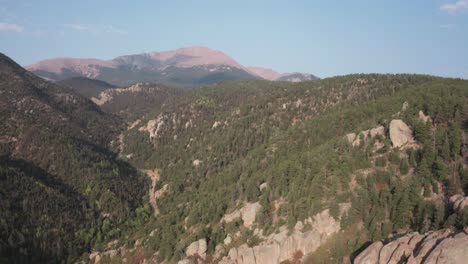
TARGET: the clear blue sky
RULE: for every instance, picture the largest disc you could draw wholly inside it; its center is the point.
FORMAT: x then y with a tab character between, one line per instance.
325	38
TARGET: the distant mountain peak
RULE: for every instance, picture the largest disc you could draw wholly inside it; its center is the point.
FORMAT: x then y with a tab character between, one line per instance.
196	55
189	66
267	74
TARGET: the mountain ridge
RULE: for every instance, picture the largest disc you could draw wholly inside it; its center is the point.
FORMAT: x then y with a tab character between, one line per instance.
156	66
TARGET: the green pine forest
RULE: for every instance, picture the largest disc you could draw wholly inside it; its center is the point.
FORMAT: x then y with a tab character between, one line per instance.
291	136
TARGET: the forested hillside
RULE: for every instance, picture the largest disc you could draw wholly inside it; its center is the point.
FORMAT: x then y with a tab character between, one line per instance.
284	146
239	172
62	190
134	101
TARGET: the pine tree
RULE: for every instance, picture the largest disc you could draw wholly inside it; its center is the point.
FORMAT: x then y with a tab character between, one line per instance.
445	151
402	210
422	132
440	170
404	167
454	141
423	170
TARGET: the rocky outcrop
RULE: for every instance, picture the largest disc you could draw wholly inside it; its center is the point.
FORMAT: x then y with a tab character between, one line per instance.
400	133
216	124
451	250
109	94
154	176
350	137
247	213
370	255
227	240
405	106
197	248
154	126
423	117
187	261
96	257
365	135
196	162
458	202
442	246
285	245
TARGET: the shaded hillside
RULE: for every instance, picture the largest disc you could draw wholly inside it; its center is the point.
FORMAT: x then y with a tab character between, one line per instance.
62	190
85	86
218	147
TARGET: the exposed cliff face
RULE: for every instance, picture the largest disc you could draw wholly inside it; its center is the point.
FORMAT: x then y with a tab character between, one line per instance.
400	133
278	247
442	246
247	213
284	246
458	203
366	135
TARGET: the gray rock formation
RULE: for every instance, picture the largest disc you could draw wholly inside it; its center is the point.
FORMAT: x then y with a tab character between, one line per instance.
405	106
450	250
355	140
187	261
423	117
197	248
247	213
282	246
458	202
227	240
400	133
442	246
263	186
370	255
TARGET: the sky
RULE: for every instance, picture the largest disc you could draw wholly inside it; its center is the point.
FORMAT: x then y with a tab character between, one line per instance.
325	38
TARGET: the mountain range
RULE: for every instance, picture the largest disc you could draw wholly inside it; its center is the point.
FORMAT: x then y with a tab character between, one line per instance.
184	67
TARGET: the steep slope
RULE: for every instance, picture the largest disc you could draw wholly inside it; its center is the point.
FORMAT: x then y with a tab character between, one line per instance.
85	86
62	190
242	161
186	67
